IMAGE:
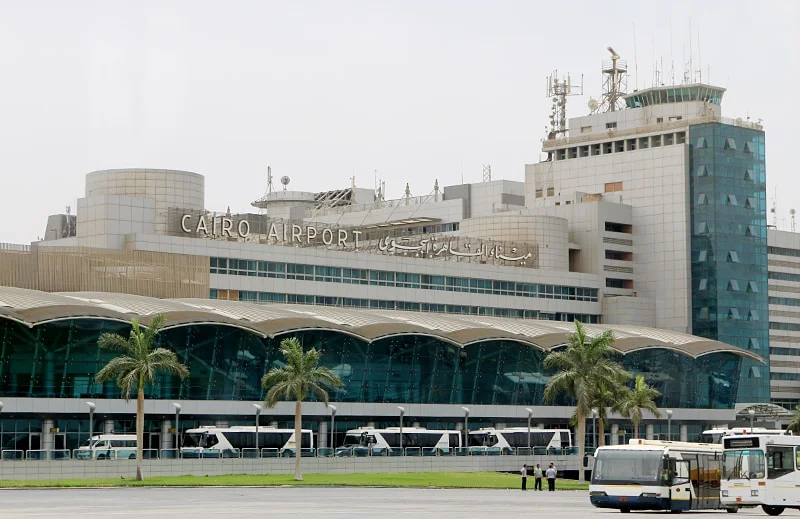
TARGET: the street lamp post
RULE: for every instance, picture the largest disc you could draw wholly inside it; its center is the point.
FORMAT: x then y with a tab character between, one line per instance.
594	429
177	429
333	423
258	416
530	415
669	424
91	420
752	413
402	412
466	426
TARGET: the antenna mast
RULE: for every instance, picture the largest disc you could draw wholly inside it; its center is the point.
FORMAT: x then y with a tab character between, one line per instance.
558	90
270	187
487	173
615	85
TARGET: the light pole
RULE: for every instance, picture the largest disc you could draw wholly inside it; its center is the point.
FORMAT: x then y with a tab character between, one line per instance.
530	415
669	424
466	426
91	420
177	429
333	422
752	413
594	430
402	412
258	415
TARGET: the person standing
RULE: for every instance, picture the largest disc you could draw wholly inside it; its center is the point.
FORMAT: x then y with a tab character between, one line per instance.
524	473
551	478
537	477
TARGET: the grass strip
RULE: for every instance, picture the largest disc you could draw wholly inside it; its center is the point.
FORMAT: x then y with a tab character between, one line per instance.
487	480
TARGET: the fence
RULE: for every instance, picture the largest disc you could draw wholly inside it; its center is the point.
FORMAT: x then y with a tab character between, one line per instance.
357	452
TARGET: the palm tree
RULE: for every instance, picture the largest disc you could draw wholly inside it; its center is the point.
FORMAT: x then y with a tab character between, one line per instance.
633	401
136	366
301	377
794	425
581	369
607	398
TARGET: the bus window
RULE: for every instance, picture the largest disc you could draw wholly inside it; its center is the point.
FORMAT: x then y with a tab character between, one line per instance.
779	461
211	440
797	458
455	437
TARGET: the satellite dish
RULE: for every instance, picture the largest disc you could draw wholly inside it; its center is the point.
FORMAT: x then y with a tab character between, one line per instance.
593	104
285	180
792	212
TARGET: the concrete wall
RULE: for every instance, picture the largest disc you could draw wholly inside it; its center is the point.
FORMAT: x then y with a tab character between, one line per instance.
80	469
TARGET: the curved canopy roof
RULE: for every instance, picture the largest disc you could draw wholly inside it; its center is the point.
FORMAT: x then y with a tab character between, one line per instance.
31	307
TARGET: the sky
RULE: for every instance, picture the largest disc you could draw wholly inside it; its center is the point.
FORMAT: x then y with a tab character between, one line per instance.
321	91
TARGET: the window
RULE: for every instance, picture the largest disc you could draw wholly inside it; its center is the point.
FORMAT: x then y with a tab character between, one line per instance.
619	146
733	256
655	141
619	283
631	143
733	285
611	126
613	187
608	147
595	149
780	461
538	193
675	118
618	255
659	120
619	227
550	191
644	143
730	144
731	200
583	151
586	129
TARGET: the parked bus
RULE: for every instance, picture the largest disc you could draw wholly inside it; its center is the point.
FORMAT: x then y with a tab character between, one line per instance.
657	475
108	446
716	435
380	441
508	440
761	469
229	439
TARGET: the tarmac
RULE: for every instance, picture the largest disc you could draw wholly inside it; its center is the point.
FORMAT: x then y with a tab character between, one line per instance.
316	502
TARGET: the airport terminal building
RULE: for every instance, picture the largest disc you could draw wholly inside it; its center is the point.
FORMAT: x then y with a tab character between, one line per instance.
650	221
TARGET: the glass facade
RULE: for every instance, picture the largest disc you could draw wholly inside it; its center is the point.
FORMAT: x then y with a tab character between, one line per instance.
410	306
60	360
729	245
385	278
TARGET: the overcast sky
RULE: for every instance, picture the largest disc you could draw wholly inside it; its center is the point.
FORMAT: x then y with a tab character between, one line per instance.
322	91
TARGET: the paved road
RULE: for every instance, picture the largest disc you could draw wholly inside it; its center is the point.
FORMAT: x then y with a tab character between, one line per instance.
319	503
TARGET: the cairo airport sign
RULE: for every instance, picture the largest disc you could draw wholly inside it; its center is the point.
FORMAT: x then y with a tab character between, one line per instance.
280	232
459	247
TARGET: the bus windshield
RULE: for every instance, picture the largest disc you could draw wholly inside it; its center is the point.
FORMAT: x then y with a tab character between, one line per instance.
627	466
352	440
743	464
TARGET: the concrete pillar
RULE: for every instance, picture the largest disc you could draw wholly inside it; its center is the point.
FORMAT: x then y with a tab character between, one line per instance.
500	426
108	426
47	437
224	423
167	437
322	435
614	434
684	432
648	434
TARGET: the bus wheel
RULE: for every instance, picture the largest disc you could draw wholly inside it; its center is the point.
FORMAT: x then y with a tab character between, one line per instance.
772	510
132	457
101	456
625	510
732	510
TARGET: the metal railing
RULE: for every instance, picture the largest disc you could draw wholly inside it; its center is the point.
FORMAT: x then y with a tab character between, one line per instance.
268	453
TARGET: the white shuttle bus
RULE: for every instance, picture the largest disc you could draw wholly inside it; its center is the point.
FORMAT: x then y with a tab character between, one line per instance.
761	470
380	441
108	447
510	439
657	475
716	435
230	439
